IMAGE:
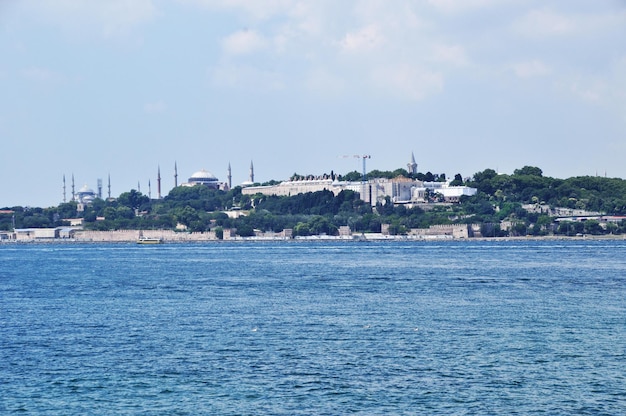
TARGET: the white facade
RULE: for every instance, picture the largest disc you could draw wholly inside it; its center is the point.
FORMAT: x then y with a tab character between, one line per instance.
205	178
449	193
399	190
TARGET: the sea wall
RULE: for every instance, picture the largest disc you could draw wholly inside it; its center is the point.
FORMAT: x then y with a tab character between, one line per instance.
133	235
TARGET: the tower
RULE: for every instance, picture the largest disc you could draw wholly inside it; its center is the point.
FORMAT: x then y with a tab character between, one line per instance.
73	189
109	186
149	190
159	182
251	172
175	175
412	165
100	188
230	177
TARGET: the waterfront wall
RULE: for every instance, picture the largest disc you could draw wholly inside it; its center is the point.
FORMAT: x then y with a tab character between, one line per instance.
133	235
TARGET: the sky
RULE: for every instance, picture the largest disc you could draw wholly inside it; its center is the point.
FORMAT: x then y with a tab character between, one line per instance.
123	88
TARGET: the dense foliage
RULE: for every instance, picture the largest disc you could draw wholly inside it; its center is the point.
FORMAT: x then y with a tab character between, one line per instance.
500	199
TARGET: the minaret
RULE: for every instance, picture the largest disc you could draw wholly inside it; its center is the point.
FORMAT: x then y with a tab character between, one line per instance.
109	186
100	188
230	177
251	172
138	187
175	175
149	190
159	182
73	189
64	200
412	165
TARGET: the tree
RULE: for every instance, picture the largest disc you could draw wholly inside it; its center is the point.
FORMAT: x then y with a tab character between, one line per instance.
133	199
245	230
485	175
187	216
353	176
301	229
458	180
528	170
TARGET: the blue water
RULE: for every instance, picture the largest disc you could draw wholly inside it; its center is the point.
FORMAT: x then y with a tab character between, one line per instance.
314	328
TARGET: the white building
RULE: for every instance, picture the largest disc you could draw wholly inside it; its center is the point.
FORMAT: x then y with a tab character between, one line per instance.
398	190
205	178
449	193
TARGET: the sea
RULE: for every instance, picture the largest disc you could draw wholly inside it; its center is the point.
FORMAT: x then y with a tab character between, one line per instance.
314	328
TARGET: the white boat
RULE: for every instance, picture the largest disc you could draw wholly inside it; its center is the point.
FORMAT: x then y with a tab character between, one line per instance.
149	240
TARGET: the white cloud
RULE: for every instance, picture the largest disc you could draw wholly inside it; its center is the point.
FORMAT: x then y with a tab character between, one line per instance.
406	50
38	74
542	22
407	81
323	83
592	91
452	54
246	77
243	42
545	22
458	6
530	69
256	9
363	40
155	107
110	18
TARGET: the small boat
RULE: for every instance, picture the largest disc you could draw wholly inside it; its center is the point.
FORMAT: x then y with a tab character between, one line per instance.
149	240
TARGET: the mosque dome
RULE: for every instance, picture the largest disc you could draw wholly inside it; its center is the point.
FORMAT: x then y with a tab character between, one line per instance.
86	190
203	175
85	195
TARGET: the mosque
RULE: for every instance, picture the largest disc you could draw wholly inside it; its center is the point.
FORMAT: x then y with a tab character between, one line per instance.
206	178
85	195
373	191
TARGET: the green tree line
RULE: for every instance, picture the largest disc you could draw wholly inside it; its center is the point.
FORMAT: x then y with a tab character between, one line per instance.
499	199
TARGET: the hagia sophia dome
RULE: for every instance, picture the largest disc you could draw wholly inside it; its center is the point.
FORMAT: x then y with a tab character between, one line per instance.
203	177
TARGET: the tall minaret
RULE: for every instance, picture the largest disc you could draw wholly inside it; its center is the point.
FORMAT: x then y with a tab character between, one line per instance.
175	175
73	189
138	187
159	182
251	172
230	177
109	186
64	200
149	190
412	165
100	188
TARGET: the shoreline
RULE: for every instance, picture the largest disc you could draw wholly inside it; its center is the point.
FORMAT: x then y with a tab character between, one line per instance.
366	237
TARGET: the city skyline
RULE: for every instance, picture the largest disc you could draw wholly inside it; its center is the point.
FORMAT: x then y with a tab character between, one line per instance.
123	86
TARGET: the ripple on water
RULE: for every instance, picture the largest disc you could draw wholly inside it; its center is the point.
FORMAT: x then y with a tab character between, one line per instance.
322	328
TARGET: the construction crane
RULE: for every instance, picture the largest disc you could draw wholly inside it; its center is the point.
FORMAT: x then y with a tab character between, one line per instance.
364	157
364	177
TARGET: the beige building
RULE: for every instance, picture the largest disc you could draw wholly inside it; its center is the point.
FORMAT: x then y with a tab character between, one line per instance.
398	190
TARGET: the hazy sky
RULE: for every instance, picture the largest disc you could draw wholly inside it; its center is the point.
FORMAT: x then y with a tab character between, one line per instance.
121	87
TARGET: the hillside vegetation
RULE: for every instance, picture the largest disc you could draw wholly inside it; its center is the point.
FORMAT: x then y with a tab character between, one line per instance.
524	203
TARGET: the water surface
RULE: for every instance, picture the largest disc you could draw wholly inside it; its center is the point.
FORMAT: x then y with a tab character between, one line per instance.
314	328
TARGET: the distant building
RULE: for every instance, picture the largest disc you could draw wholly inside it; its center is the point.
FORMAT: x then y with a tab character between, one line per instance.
412	165
205	178
449	193
399	190
85	196
250	180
